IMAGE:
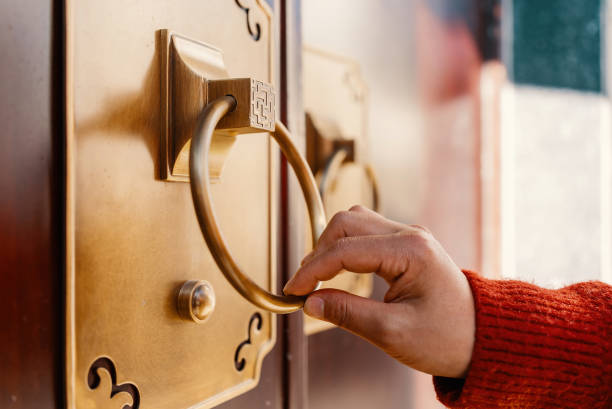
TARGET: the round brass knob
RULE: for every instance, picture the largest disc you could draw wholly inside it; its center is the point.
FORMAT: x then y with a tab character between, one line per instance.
196	300
200	191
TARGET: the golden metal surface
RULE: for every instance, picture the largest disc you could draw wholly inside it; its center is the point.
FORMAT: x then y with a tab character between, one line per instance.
196	301
132	240
329	176
232	108
371	174
335	97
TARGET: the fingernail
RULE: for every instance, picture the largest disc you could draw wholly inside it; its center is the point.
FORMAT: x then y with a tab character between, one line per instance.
314	306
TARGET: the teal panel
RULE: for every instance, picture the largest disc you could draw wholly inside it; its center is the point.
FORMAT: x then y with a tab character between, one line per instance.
558	43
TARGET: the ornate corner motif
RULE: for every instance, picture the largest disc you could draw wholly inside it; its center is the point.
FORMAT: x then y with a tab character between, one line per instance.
353	80
93	380
240	363
255	34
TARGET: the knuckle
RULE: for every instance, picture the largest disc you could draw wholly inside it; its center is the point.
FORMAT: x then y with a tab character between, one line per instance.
422	237
340	245
421	228
340	218
419	240
340	314
357	208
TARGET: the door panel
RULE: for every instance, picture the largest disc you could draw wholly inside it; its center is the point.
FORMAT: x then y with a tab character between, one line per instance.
336	105
136	238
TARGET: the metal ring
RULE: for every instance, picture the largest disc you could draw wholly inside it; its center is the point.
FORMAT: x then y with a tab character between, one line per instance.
200	190
330	173
369	170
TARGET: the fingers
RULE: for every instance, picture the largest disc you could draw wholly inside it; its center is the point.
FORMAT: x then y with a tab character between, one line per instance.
357	221
387	255
372	320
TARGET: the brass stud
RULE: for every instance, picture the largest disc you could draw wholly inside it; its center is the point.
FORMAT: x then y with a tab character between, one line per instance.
196	301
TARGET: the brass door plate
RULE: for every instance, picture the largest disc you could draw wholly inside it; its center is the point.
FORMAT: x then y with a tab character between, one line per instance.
132	237
335	98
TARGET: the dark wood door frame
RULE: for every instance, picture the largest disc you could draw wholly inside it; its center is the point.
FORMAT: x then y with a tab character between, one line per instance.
32	191
295	343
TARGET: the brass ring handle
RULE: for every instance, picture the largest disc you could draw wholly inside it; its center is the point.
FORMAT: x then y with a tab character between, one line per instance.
369	170
200	190
330	173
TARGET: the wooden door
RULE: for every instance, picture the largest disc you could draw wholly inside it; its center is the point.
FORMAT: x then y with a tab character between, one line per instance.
59	101
31	203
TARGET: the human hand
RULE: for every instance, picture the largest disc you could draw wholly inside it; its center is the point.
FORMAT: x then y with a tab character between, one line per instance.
427	319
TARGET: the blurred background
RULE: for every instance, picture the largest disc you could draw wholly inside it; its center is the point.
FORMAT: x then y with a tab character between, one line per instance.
486	121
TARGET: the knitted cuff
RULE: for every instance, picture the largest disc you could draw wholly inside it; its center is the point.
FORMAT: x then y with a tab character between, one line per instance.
536	348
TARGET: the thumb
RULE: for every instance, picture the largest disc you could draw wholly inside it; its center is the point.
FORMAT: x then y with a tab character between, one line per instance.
365	317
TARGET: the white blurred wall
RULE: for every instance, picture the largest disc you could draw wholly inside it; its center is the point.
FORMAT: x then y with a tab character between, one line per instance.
378	35
556	185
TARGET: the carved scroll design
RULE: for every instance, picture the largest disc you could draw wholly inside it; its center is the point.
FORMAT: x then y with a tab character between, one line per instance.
255	34
241	363
93	380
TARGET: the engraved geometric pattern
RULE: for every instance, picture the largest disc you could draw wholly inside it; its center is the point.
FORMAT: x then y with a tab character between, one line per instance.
262	105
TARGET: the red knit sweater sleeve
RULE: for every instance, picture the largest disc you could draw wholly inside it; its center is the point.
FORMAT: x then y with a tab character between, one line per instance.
536	348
